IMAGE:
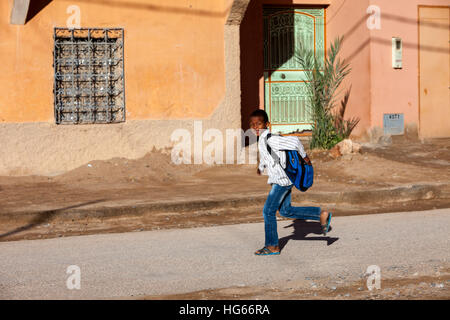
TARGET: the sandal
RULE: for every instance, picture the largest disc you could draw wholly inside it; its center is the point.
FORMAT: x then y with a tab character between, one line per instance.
326	227
266	252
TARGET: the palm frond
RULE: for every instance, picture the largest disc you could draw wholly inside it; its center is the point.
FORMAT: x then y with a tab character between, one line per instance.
323	87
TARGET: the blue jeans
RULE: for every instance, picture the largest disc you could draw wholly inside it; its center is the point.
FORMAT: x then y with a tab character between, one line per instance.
279	198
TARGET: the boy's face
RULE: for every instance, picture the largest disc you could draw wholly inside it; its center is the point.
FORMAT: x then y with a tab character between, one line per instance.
258	125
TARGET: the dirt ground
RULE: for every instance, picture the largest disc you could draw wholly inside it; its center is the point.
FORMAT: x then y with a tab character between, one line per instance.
408	284
154	176
154	179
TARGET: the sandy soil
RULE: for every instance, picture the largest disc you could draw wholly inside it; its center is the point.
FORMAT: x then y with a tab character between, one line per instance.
120	178
153	178
423	285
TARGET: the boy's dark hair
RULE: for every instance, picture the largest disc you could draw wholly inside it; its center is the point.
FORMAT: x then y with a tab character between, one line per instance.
260	113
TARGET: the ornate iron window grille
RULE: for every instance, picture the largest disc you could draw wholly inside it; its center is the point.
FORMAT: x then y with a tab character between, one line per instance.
89	82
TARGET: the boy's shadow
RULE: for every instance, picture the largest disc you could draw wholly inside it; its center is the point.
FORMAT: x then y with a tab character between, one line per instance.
301	229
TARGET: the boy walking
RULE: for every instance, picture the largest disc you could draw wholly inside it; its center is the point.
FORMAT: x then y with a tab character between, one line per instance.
279	197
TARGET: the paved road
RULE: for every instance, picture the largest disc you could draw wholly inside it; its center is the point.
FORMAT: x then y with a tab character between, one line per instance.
175	261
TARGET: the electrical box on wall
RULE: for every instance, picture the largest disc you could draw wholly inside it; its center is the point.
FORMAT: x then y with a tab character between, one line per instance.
394	123
397	53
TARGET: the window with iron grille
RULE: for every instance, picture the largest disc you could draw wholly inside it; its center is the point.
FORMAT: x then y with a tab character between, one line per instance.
89	75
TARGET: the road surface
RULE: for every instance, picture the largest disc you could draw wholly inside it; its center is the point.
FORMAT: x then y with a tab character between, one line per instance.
186	260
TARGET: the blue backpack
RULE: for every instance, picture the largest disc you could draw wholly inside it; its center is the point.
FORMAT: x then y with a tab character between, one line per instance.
298	171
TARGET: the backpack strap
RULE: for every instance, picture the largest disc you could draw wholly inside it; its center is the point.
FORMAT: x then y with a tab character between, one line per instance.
275	157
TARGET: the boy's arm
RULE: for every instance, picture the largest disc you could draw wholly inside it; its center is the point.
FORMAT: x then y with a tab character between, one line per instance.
287	143
261	164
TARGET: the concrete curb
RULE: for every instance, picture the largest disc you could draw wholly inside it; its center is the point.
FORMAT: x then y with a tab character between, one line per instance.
387	195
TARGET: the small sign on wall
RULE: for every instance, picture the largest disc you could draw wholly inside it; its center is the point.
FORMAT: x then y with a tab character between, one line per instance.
394	123
397	53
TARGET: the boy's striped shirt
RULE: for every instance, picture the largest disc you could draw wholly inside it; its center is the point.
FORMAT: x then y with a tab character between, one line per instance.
275	171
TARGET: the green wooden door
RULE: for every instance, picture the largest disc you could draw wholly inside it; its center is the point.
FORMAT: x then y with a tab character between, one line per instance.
285	31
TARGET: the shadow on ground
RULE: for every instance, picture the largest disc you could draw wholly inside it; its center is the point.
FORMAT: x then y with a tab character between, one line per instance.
46	216
301	231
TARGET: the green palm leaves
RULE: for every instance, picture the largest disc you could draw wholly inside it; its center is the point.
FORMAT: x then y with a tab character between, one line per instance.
323	81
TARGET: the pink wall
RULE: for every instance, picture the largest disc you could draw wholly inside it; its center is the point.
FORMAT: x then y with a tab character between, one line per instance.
396	91
348	19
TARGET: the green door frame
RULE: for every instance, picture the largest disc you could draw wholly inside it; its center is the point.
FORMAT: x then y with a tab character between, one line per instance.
285	95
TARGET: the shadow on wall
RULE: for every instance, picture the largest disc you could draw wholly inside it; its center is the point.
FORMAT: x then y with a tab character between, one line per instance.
159	8
388	42
252	58
35	7
251	51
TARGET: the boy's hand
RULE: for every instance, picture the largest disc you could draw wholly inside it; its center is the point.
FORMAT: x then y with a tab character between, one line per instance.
307	160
